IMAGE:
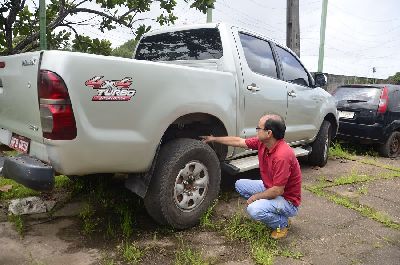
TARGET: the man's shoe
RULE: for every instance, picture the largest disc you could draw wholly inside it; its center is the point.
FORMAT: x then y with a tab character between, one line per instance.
279	233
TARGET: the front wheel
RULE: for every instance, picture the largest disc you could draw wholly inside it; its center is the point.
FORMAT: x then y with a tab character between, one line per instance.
392	146
186	180
320	147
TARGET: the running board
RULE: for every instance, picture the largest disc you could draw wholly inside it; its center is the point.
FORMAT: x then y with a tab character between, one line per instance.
251	162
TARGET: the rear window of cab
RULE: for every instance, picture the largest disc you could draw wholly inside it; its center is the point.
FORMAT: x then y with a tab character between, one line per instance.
194	44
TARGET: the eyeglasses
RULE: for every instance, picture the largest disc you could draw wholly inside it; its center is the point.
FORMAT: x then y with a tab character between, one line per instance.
258	128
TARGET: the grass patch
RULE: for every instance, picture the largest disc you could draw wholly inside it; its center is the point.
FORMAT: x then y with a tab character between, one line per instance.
17	190
262	255
291	254
107	261
20	191
356	149
11	153
263	248
131	253
346	202
89	220
188	256
205	220
374	162
62	182
352	178
18	223
111	207
336	150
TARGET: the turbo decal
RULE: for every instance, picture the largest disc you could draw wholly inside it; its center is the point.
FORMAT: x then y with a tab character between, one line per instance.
111	90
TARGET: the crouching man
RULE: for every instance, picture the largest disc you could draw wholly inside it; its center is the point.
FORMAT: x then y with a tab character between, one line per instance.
277	196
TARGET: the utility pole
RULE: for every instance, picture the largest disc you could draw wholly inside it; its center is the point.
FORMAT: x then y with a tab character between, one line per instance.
209	15
322	36
42	24
293	26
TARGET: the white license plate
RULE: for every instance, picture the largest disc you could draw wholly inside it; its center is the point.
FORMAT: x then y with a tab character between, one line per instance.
346	114
20	143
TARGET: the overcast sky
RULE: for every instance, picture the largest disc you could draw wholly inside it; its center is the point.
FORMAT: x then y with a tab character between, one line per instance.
360	34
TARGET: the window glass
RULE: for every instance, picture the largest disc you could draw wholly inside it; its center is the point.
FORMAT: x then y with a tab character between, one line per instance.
258	55
293	71
195	44
364	95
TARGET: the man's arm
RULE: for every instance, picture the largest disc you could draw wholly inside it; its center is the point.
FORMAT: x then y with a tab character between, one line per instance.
226	140
270	193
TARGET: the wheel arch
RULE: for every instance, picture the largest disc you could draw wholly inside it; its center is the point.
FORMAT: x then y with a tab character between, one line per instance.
194	125
334	123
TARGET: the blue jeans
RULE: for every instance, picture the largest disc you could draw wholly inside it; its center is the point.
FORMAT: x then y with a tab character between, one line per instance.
274	213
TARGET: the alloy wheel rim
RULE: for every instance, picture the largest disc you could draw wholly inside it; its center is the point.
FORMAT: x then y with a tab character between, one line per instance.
191	186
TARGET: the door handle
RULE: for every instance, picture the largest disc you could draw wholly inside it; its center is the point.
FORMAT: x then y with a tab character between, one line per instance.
291	94
253	88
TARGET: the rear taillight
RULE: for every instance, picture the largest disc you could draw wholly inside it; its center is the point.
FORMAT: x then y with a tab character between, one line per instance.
383	100
56	114
2	64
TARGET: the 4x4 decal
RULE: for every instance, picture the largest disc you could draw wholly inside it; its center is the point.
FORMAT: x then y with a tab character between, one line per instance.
111	90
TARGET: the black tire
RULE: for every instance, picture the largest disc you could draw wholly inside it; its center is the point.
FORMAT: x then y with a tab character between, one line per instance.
392	146
320	147
164	201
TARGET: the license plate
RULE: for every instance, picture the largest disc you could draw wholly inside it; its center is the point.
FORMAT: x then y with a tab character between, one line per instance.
20	143
346	114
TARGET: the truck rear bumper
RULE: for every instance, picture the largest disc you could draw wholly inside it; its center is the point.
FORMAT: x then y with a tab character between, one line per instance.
29	172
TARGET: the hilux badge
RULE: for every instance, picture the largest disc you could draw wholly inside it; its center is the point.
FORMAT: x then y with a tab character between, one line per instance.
28	62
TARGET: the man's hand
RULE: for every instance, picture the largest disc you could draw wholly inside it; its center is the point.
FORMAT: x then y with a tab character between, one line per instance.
207	139
252	199
268	194
226	140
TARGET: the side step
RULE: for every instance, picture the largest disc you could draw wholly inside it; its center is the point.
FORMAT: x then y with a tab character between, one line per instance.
251	162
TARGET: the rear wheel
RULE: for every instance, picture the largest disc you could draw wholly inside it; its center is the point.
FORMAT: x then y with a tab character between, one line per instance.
392	146
320	147
185	182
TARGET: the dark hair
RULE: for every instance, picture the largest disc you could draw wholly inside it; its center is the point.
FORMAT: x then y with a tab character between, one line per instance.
277	126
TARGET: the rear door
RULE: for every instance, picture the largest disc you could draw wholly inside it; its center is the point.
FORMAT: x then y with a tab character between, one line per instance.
19	107
358	104
261	89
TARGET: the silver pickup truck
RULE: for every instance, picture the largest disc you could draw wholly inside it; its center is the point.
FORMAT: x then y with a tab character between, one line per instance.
79	114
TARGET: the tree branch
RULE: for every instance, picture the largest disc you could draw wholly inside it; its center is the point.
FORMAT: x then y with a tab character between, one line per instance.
102	14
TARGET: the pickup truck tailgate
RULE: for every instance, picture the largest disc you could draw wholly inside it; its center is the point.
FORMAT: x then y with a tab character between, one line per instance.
19	107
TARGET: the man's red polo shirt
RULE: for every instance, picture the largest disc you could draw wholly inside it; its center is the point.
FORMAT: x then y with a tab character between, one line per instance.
279	167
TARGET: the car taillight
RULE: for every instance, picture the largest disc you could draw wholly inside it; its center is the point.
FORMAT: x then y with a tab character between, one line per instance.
56	114
2	64
383	100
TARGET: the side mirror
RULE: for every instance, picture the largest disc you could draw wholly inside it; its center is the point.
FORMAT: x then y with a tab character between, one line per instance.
320	79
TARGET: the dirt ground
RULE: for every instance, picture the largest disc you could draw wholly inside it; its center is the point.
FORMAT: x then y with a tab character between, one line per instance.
324	232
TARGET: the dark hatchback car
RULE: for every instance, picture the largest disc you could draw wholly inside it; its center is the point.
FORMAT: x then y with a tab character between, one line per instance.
370	114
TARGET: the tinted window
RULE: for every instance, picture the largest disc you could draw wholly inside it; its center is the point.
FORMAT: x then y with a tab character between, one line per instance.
258	55
195	44
369	95
293	71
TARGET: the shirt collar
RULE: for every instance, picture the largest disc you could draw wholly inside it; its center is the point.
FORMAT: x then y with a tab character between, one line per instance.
273	149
